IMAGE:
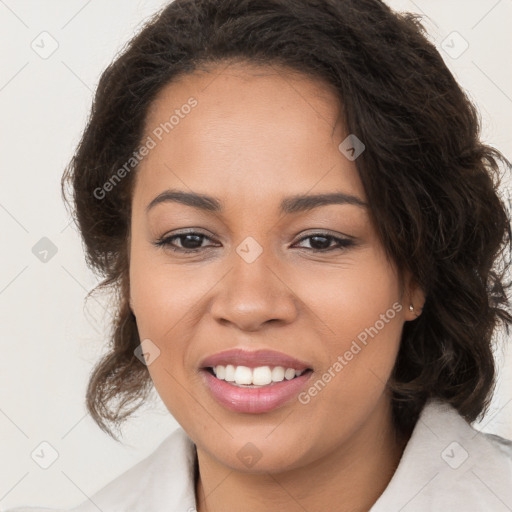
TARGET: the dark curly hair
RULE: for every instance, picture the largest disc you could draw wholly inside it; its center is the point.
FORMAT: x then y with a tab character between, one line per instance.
432	185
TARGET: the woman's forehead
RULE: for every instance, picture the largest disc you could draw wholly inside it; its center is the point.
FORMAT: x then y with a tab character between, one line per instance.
240	96
265	132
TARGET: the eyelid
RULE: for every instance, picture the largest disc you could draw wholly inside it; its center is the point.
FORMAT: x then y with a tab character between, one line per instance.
310	232
326	232
341	241
189	231
164	242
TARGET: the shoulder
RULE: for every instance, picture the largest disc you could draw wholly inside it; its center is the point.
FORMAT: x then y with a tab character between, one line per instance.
163	479
501	444
449	465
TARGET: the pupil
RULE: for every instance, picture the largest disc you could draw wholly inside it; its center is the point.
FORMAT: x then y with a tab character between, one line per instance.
197	241
322	245
194	241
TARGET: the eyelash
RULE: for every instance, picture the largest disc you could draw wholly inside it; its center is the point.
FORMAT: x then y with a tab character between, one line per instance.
343	243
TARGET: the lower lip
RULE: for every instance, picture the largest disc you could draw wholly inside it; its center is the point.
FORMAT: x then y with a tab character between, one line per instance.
254	400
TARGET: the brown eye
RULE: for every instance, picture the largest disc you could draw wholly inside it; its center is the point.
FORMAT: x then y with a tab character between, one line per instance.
321	242
190	242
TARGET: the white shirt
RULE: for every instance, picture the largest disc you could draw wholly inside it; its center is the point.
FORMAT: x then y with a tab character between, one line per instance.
446	466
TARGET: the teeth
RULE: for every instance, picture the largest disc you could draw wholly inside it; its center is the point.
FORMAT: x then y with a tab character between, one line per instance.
230	373
260	376
243	375
221	372
289	374
277	374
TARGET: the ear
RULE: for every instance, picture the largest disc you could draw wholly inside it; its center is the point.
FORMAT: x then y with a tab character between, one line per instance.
414	296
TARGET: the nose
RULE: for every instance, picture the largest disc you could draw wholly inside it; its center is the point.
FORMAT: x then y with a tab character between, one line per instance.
253	294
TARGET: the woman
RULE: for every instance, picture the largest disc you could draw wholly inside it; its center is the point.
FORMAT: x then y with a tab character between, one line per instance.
304	228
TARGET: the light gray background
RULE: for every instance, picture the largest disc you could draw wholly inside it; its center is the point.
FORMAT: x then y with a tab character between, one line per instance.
49	342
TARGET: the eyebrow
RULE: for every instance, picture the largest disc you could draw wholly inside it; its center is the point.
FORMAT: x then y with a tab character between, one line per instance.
289	205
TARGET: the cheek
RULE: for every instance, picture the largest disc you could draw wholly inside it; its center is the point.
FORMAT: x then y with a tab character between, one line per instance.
163	301
159	300
362	296
362	310
164	296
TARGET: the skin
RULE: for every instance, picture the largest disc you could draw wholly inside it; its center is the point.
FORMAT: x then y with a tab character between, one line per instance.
258	135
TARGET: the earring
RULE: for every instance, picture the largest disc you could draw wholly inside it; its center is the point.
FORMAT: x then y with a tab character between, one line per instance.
411	307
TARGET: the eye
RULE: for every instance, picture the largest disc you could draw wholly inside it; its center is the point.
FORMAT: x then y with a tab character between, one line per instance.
190	242
321	242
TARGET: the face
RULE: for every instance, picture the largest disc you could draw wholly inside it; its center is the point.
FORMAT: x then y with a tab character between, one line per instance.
252	270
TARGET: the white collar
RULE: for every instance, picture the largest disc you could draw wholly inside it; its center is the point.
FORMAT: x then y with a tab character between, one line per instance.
446	465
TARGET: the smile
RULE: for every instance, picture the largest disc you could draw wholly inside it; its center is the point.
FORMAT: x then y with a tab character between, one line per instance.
254	381
254	377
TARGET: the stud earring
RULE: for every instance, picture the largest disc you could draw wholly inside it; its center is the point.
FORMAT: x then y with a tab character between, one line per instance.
411	307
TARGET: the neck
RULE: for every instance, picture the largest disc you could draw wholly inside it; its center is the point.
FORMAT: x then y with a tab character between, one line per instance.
353	476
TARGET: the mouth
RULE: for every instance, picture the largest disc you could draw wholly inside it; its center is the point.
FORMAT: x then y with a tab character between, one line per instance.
258	377
254	381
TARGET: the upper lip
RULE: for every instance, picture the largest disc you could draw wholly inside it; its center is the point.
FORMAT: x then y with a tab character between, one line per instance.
253	359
